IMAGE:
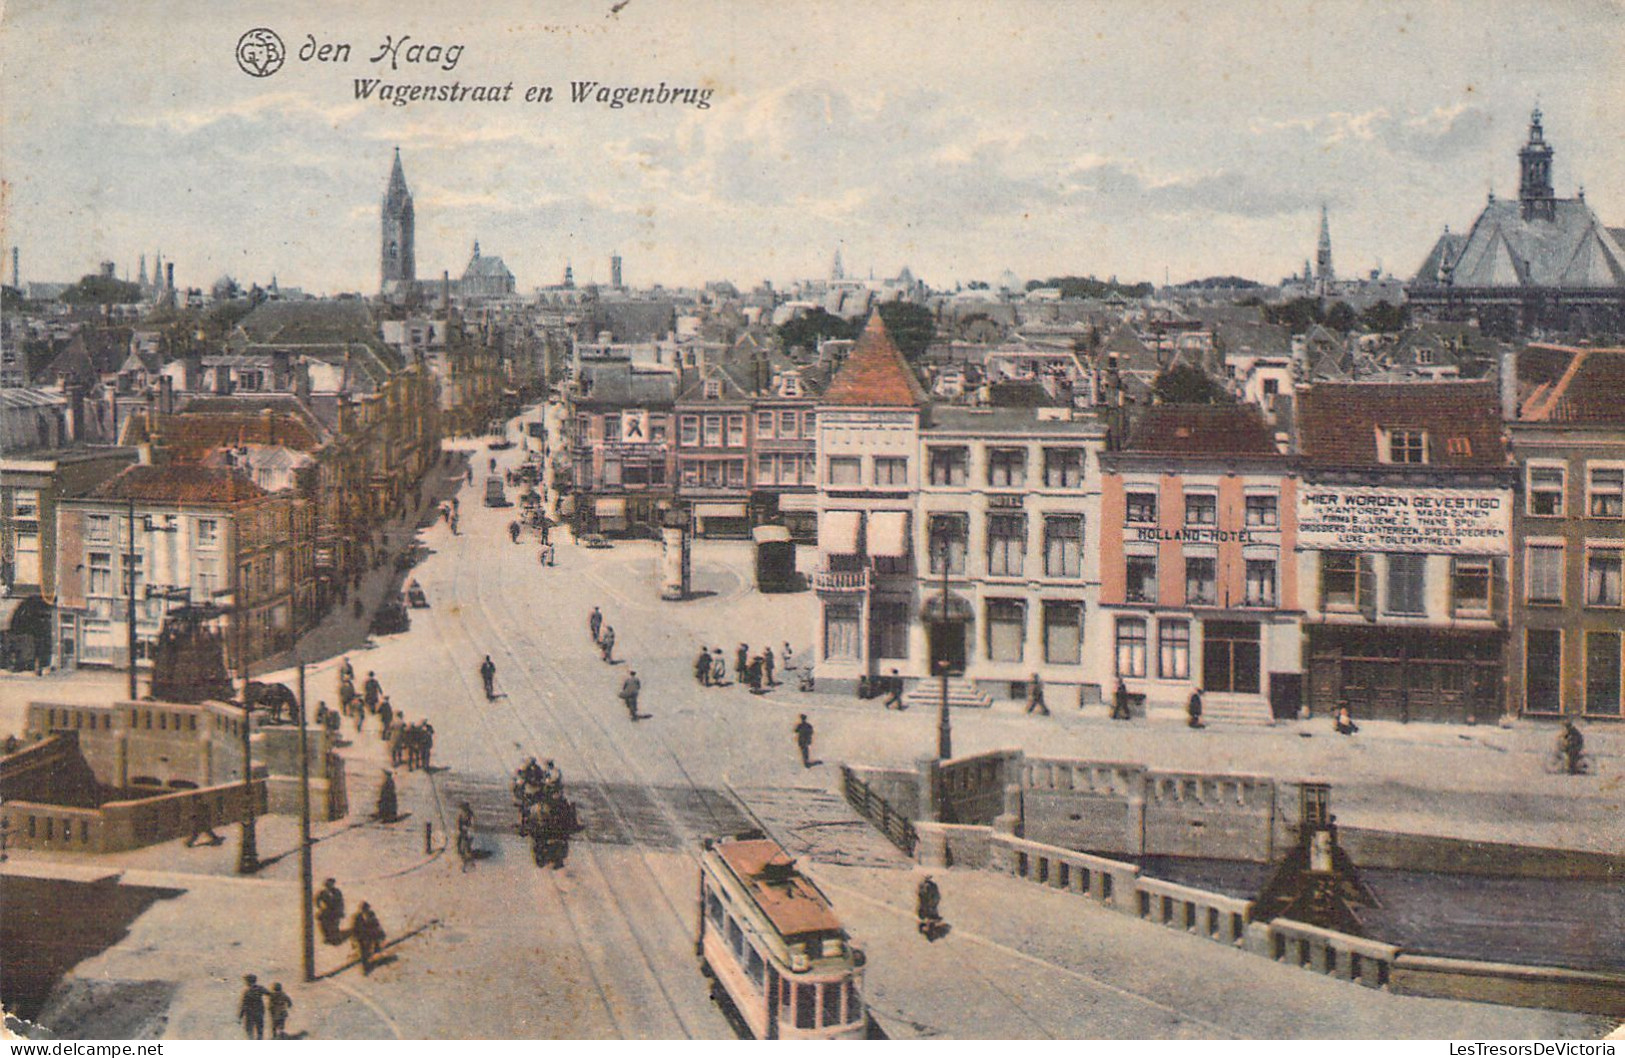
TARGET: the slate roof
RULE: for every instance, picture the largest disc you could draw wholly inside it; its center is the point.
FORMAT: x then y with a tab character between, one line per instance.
875	374
325	330
1582	387
1213	430
179	484
1339	422
1502	249
617	385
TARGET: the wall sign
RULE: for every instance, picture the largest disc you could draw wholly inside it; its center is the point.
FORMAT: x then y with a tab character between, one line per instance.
1433	521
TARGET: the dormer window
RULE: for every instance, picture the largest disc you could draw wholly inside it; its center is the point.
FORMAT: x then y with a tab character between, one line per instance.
713	389
1404	446
1424	356
790	384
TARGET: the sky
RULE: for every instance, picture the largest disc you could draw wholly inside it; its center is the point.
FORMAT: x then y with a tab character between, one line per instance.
1130	138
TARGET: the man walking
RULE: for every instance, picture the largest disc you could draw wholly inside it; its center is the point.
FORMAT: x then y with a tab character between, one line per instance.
251	1009
281	1004
804	740
1035	696
595	622
767	667
488	675
741	663
607	644
372	692
367	934
631	687
330	912
702	667
894	691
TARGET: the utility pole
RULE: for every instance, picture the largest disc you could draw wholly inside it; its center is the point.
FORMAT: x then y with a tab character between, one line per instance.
945	737
248	857
129	590
307	934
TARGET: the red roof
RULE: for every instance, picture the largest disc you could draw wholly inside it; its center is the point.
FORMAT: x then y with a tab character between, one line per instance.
1215	430
1339	422
1572	385
875	374
180	484
790	902
194	436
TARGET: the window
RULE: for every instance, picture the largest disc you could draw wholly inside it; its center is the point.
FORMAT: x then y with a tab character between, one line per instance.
101	574
1602	577
1543	670
736	431
713	431
949	535
1260	582
1406	446
99	528
1174	650
713	389
689	470
1459	446
1544	573
657	432
832	1002
767	470
841	630
845	470
1230	657
1006	629
26	570
1007	468
612	429
1063	546
1006	544
1263	510
713	475
809	469
1201	508
891	470
612	470
1063	633
688	431
1424	356
764	425
25	504
1063	468
1470	586
949	466
1340	581
736	473
1407	580
888	630
1142	507
806	1006
1546	490
1602	673
1140	578
1607	492
787	424
1201	580
1131	647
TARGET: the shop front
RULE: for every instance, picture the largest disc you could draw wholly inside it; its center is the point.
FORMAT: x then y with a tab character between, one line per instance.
1405	674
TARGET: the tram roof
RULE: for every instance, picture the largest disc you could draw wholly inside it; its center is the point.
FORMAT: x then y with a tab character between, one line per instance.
791	902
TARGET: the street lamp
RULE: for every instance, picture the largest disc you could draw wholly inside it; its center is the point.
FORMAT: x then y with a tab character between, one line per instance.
944	725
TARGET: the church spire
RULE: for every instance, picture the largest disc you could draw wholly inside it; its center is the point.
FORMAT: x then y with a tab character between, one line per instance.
1535	195
397	259
1323	251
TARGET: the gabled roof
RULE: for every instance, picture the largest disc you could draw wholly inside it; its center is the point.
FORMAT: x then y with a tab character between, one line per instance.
1339	422
1504	249
1575	386
196	432
179	484
1197	430
875	374
733	375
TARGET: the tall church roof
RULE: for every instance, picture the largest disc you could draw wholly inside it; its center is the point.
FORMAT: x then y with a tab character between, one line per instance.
397	192
875	374
1505	249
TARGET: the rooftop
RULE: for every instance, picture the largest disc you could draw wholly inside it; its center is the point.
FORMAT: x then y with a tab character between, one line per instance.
875	374
1341	423
179	484
1203	430
791	902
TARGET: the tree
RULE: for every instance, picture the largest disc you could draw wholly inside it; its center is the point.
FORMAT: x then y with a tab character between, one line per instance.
912	327
102	290
1183	384
1340	317
807	329
1383	318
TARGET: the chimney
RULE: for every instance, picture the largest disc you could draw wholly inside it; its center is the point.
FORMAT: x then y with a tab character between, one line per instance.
169	275
16	274
1509	385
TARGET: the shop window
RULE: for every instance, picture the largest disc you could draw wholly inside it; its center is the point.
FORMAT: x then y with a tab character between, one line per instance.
1131	647
1201	580
1140	578
1174	650
1602	577
1142	508
1201	508
1063	468
1545	492
1006	544
1263	511
1544	573
1007	468
1607	492
949	466
1230	657
1063	546
1407	584
1063	633
1006	629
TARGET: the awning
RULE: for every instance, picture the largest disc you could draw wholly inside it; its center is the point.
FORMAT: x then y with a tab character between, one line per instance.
888	534
770	534
798	501
838	534
720	510
959	609
610	507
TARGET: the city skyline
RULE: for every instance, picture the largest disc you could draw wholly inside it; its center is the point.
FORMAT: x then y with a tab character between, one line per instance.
1111	139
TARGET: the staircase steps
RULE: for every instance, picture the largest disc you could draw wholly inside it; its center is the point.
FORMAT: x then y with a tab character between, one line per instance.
962	694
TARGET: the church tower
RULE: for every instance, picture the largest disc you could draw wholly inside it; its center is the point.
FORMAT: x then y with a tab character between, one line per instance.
1535	195
397	263
1323	254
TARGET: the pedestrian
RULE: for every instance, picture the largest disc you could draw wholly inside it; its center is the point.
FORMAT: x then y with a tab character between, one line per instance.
372	692
630	689
488	676
595	622
281	1004
719	669
454	506
468	474
1120	710
894	689
1570	748
202	824
804	740
396	731
388	806
1035	696
346	673
386	713
513	530
454	523
367	934
789	658
360	716
251	1008
702	667
425	744
607	644
767	667
741	662
1344	723
330	912
1193	710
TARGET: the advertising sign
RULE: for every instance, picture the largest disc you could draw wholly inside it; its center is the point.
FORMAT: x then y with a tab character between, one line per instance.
1434	521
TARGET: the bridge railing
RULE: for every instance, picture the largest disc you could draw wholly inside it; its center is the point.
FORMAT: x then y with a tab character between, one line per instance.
899	830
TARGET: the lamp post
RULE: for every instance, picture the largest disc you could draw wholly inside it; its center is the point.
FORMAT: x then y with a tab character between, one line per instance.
945	736
248	858
307	935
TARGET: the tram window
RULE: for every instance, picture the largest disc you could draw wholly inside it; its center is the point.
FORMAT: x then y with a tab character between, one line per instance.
832	1003
713	908
736	938
754	966
806	1006
854	1002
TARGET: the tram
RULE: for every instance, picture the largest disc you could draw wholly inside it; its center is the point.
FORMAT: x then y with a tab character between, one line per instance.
780	964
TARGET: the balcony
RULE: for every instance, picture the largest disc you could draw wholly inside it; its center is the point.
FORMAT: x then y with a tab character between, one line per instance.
845	581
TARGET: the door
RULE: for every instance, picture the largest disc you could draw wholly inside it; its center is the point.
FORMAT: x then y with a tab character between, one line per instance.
947	646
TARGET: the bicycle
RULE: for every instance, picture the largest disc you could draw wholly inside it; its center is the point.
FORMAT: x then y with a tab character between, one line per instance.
1557	763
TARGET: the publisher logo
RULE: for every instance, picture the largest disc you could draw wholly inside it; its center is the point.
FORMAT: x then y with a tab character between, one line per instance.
260	53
